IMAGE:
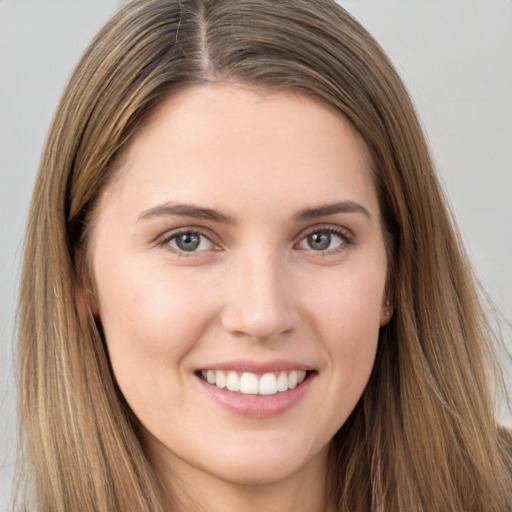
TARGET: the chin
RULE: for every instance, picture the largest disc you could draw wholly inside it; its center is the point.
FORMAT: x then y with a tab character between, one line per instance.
265	463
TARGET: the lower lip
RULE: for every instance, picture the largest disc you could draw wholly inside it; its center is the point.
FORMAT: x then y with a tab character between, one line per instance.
258	406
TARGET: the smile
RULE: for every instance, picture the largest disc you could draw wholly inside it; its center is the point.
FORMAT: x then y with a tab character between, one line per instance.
248	383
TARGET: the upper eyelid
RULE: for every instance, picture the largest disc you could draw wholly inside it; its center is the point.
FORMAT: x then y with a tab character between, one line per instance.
326	227
164	239
186	229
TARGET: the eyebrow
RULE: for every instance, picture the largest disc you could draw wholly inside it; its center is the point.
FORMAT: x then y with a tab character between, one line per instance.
196	212
331	209
187	210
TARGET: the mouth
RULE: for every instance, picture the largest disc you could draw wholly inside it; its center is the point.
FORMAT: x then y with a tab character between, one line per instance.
248	383
257	390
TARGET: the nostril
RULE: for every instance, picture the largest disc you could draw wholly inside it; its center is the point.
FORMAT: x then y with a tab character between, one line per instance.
259	325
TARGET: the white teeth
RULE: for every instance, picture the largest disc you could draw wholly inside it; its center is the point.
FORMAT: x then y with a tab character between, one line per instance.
233	381
282	382
292	379
251	384
268	384
220	379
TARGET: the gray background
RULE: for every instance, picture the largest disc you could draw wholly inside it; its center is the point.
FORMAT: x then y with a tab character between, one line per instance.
454	55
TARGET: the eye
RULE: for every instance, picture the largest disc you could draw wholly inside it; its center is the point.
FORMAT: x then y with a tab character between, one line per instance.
188	241
325	239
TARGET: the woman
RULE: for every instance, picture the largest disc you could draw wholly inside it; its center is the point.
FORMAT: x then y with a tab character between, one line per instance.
242	286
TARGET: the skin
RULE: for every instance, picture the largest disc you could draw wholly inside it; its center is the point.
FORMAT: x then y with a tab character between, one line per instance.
255	289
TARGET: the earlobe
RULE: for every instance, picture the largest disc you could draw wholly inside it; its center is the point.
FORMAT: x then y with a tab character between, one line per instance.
386	313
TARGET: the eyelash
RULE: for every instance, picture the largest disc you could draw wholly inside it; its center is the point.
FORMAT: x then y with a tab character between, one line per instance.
345	235
173	235
347	239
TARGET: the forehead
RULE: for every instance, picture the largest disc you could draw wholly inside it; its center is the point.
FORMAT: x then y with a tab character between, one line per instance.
214	143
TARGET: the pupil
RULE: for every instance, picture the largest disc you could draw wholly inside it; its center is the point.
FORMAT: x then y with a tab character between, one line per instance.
319	241
188	241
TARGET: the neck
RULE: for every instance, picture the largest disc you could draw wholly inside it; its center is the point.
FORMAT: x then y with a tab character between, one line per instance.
304	491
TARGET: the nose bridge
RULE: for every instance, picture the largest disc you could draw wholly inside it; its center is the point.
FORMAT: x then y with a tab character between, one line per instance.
259	302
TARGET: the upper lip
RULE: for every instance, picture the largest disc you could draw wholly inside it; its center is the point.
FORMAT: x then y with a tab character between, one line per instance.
246	365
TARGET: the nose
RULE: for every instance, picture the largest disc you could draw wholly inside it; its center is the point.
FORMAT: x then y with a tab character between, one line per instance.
259	299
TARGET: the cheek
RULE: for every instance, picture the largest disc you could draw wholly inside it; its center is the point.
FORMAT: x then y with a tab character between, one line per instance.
345	314
348	306
151	321
149	315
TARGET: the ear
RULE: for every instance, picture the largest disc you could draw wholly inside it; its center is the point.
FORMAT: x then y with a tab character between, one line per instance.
85	289
386	312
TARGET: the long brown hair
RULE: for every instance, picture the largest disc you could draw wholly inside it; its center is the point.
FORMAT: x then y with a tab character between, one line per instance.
424	436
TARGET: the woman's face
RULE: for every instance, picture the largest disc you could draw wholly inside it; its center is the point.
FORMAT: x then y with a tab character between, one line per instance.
239	265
